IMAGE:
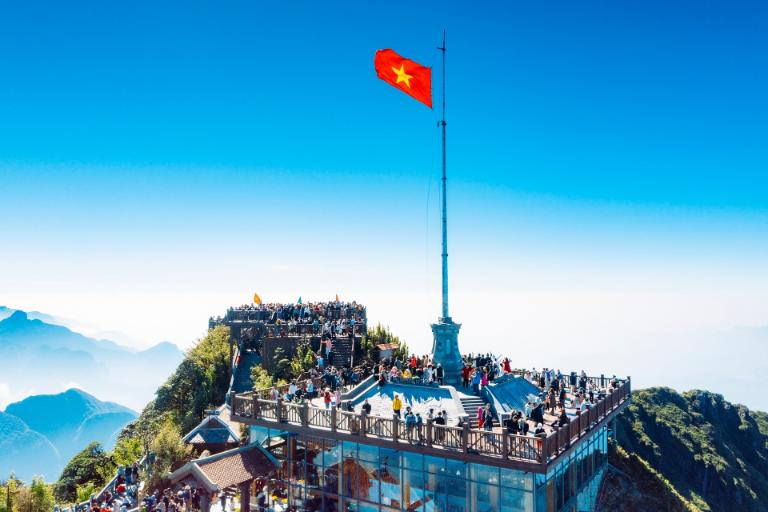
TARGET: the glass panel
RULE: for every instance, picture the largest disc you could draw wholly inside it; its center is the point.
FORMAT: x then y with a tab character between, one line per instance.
367	507
516	479
369	488
330	503
413	490
485	496
390	457
482	473
456	468
368	452
349	449
434	464
331	453
413	460
516	499
456	504
314	501
389	481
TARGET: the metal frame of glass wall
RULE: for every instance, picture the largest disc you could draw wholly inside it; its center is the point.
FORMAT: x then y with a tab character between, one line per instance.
327	475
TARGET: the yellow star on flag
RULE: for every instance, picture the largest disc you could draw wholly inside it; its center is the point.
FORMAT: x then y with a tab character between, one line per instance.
402	76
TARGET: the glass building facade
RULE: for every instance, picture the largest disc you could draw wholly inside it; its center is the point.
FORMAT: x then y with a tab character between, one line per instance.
319	474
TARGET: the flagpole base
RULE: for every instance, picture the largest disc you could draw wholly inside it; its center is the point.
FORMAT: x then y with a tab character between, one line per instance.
445	349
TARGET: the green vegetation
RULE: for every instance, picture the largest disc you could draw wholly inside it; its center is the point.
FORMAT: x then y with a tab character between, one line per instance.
378	335
17	497
711	453
260	377
9	490
200	382
281	365
169	453
91	469
632	485
303	360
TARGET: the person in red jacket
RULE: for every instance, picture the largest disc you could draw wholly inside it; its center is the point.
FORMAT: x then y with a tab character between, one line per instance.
465	372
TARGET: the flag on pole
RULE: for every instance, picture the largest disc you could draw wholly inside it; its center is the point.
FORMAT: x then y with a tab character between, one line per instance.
410	77
299	301
256	299
337	297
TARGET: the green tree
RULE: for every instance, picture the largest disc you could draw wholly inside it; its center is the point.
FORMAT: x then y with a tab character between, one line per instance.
85	491
169	453
91	465
38	497
303	360
260	377
381	335
127	451
281	364
9	491
201	381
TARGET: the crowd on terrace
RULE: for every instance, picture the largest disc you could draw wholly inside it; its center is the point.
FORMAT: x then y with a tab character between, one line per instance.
326	318
560	396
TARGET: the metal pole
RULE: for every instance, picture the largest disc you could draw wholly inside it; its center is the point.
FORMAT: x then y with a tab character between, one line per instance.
444	201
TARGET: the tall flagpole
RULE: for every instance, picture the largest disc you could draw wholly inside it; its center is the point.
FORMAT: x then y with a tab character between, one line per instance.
444	201
445	348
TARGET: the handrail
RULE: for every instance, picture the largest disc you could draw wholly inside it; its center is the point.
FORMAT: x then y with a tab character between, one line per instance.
502	444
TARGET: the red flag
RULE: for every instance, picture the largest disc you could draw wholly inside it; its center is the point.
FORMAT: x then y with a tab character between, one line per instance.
410	77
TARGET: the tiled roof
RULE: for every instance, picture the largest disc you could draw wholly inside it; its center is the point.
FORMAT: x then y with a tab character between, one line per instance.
226	469
237	468
213	436
211	429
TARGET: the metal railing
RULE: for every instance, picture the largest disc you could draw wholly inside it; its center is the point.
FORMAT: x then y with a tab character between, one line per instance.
249	407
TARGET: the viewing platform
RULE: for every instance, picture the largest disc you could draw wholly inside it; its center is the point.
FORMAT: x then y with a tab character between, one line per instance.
495	447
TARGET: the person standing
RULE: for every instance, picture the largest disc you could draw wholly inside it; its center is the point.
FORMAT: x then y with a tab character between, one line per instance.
397	405
488	418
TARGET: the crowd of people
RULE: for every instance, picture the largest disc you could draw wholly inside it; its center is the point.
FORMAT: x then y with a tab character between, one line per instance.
327	319
410	370
120	496
182	499
557	392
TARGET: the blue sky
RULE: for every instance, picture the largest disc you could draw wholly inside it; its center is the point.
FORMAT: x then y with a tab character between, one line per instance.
607	165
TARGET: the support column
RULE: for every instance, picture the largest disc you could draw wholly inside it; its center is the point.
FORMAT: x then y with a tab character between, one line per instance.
205	502
245	496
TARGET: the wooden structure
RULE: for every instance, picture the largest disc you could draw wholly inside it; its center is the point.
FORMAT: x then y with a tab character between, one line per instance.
499	448
232	469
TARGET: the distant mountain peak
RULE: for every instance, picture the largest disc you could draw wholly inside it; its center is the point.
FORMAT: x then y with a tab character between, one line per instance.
17	316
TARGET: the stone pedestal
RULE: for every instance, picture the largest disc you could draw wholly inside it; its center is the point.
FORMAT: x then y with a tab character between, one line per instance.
445	349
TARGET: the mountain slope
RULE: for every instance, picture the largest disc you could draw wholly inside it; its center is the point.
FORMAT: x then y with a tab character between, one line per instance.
69	421
714	453
40	357
25	452
19	332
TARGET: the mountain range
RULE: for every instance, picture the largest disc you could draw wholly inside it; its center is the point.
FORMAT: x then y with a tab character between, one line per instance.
37	356
687	452
39	434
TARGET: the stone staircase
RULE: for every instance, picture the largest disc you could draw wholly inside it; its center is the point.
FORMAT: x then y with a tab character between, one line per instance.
342	352
242	381
470	404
